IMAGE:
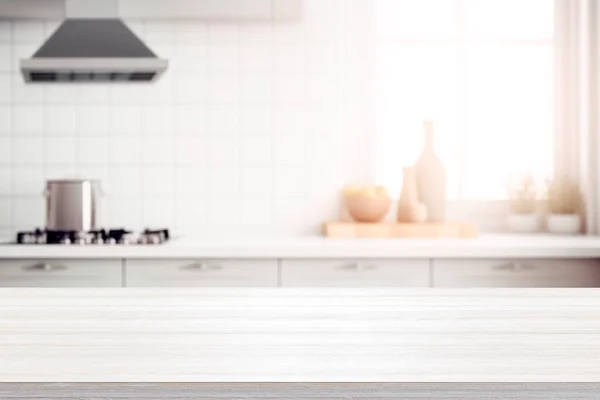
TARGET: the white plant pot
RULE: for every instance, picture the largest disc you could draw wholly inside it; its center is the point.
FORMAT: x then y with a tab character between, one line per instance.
564	224
524	223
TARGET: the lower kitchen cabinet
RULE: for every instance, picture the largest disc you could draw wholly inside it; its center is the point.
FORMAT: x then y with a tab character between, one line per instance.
551	273
60	273
201	273
355	273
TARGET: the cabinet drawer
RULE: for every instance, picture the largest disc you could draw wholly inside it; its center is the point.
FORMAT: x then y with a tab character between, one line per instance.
552	273
355	273
60	273
201	273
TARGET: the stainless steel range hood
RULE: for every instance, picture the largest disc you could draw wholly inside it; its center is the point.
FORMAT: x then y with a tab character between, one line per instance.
90	46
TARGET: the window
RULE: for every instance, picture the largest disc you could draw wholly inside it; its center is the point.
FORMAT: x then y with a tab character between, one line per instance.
484	71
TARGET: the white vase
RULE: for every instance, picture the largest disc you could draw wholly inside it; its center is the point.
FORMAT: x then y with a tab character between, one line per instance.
564	224
524	223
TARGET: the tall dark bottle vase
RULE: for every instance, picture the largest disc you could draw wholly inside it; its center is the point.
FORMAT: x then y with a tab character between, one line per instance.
431	177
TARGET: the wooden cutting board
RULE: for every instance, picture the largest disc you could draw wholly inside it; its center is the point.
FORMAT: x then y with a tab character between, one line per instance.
398	230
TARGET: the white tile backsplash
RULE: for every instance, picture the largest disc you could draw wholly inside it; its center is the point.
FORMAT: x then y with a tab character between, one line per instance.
158	182
258	212
5	57
128	95
64	94
190	214
191	32
124	212
223	182
28	181
125	151
28	213
223	57
63	171
28	32
223	119
6	118
256	88
227	140
124	181
256	119
158	212
60	151
5	31
223	151
92	151
5	151
224	212
223	33
93	120
191	151
5	211
190	90
159	32
27	151
158	121
60	121
257	150
21	93
189	57
157	151
290	58
190	182
125	121
257	58
290	90
256	34
257	182
29	121
224	88
189	121
5	180
5	82
94	95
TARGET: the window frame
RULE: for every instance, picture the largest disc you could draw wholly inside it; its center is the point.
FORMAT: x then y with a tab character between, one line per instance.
575	37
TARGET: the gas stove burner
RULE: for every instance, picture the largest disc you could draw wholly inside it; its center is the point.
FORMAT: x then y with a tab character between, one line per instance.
98	237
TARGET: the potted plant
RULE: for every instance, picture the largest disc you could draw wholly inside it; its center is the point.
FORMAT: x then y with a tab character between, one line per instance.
564	198
523	196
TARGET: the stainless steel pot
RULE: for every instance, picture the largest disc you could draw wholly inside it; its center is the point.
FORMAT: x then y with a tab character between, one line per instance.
73	204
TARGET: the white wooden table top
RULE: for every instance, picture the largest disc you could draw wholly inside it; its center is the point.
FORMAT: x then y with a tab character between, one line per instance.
486	246
299	335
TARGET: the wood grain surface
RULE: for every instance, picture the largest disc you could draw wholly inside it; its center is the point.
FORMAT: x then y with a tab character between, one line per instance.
299	335
302	391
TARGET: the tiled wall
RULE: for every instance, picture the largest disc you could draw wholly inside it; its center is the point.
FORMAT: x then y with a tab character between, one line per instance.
243	134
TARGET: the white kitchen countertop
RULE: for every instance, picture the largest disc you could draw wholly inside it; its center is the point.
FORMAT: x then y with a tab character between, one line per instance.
486	246
299	335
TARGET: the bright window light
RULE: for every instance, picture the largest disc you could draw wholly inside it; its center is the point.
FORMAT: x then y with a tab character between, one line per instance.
484	70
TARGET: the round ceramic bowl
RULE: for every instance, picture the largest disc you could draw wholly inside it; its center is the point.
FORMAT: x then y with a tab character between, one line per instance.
564	224
367	208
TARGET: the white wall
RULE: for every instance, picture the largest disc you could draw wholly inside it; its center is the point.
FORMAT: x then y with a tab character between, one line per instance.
244	133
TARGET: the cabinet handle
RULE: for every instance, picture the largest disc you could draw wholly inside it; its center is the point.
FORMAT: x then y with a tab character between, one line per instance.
514	267
45	267
202	267
356	267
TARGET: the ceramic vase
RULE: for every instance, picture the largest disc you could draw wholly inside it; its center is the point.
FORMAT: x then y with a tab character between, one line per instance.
410	210
431	178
